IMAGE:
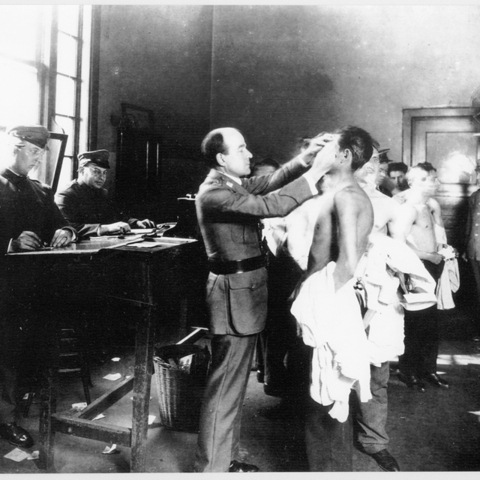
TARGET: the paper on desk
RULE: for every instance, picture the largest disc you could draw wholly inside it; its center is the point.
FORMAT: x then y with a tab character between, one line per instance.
142	244
99	416
112	376
79	406
151	418
17	455
143	231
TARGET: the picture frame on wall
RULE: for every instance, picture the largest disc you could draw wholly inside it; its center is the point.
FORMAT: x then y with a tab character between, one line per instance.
141	118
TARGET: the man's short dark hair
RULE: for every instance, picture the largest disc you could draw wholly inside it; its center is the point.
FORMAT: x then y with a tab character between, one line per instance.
397	167
213	144
266	162
427	166
359	142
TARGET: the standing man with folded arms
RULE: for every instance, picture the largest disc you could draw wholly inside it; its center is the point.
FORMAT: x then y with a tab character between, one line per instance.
229	207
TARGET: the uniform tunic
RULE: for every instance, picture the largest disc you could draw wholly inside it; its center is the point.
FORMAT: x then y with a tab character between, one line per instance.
87	208
228	214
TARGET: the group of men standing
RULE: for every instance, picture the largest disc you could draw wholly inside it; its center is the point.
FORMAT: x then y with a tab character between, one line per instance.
331	202
329	197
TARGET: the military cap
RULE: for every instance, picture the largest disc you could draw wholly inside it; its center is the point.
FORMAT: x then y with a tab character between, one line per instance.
36	134
97	157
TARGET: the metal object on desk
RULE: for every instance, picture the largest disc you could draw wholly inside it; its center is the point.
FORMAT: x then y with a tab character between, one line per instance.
142	277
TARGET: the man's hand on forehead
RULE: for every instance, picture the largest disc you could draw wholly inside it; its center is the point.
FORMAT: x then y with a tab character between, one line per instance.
315	144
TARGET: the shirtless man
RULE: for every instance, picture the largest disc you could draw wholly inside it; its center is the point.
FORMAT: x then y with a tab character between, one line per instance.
371	416
326	300
420	217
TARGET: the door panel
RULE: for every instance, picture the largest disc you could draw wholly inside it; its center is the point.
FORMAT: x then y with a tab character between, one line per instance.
444	137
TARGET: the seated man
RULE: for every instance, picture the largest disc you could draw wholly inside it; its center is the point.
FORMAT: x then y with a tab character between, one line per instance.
86	204
29	220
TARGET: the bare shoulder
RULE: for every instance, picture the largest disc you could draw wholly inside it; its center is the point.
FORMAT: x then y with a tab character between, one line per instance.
433	203
352	196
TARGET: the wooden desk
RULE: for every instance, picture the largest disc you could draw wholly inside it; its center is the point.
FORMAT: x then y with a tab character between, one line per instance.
126	272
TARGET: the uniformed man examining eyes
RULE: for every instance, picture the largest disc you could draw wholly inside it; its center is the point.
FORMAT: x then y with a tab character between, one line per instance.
87	205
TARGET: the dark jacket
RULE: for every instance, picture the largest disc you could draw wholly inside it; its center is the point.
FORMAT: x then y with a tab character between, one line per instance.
86	208
26	205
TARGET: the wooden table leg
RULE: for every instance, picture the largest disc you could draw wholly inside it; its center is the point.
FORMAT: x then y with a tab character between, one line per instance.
141	389
47	433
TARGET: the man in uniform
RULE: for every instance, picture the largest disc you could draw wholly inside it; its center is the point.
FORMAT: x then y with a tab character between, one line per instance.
229	208
29	220
86	204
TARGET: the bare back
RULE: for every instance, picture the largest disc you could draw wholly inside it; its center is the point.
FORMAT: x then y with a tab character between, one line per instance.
341	231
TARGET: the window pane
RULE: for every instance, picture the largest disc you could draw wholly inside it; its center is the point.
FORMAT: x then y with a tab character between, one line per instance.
65	103
18	30
68	19
67	55
68	126
19	93
66	173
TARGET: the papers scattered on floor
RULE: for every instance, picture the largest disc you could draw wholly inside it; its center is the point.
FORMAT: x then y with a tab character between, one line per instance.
110	449
112	376
79	406
17	455
99	416
115	359
34	455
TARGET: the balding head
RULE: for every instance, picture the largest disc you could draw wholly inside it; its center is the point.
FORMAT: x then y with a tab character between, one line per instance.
214	143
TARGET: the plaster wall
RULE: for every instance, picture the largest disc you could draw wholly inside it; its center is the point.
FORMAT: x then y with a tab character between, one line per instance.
282	72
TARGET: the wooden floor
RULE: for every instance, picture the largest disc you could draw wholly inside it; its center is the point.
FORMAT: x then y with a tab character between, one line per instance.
435	431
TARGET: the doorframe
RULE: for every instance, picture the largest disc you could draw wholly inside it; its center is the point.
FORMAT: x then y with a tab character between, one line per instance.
411	114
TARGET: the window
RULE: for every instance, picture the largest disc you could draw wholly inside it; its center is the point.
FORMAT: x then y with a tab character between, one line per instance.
44	75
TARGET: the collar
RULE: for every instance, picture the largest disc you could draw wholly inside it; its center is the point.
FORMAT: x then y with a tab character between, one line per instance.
13	177
235	179
215	174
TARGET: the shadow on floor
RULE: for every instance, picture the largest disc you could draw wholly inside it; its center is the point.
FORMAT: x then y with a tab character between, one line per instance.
435	431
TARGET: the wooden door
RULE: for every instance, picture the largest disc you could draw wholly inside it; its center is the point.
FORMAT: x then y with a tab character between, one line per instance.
445	138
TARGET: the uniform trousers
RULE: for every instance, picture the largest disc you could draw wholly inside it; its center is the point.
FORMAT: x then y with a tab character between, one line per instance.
221	413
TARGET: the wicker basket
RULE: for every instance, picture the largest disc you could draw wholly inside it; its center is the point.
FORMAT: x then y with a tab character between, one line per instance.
180	393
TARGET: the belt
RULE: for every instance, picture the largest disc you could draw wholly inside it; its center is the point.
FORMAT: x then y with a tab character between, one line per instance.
237	266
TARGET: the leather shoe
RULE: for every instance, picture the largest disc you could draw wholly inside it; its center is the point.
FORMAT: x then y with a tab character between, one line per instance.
385	461
15	435
273	390
434	379
412	381
238	467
